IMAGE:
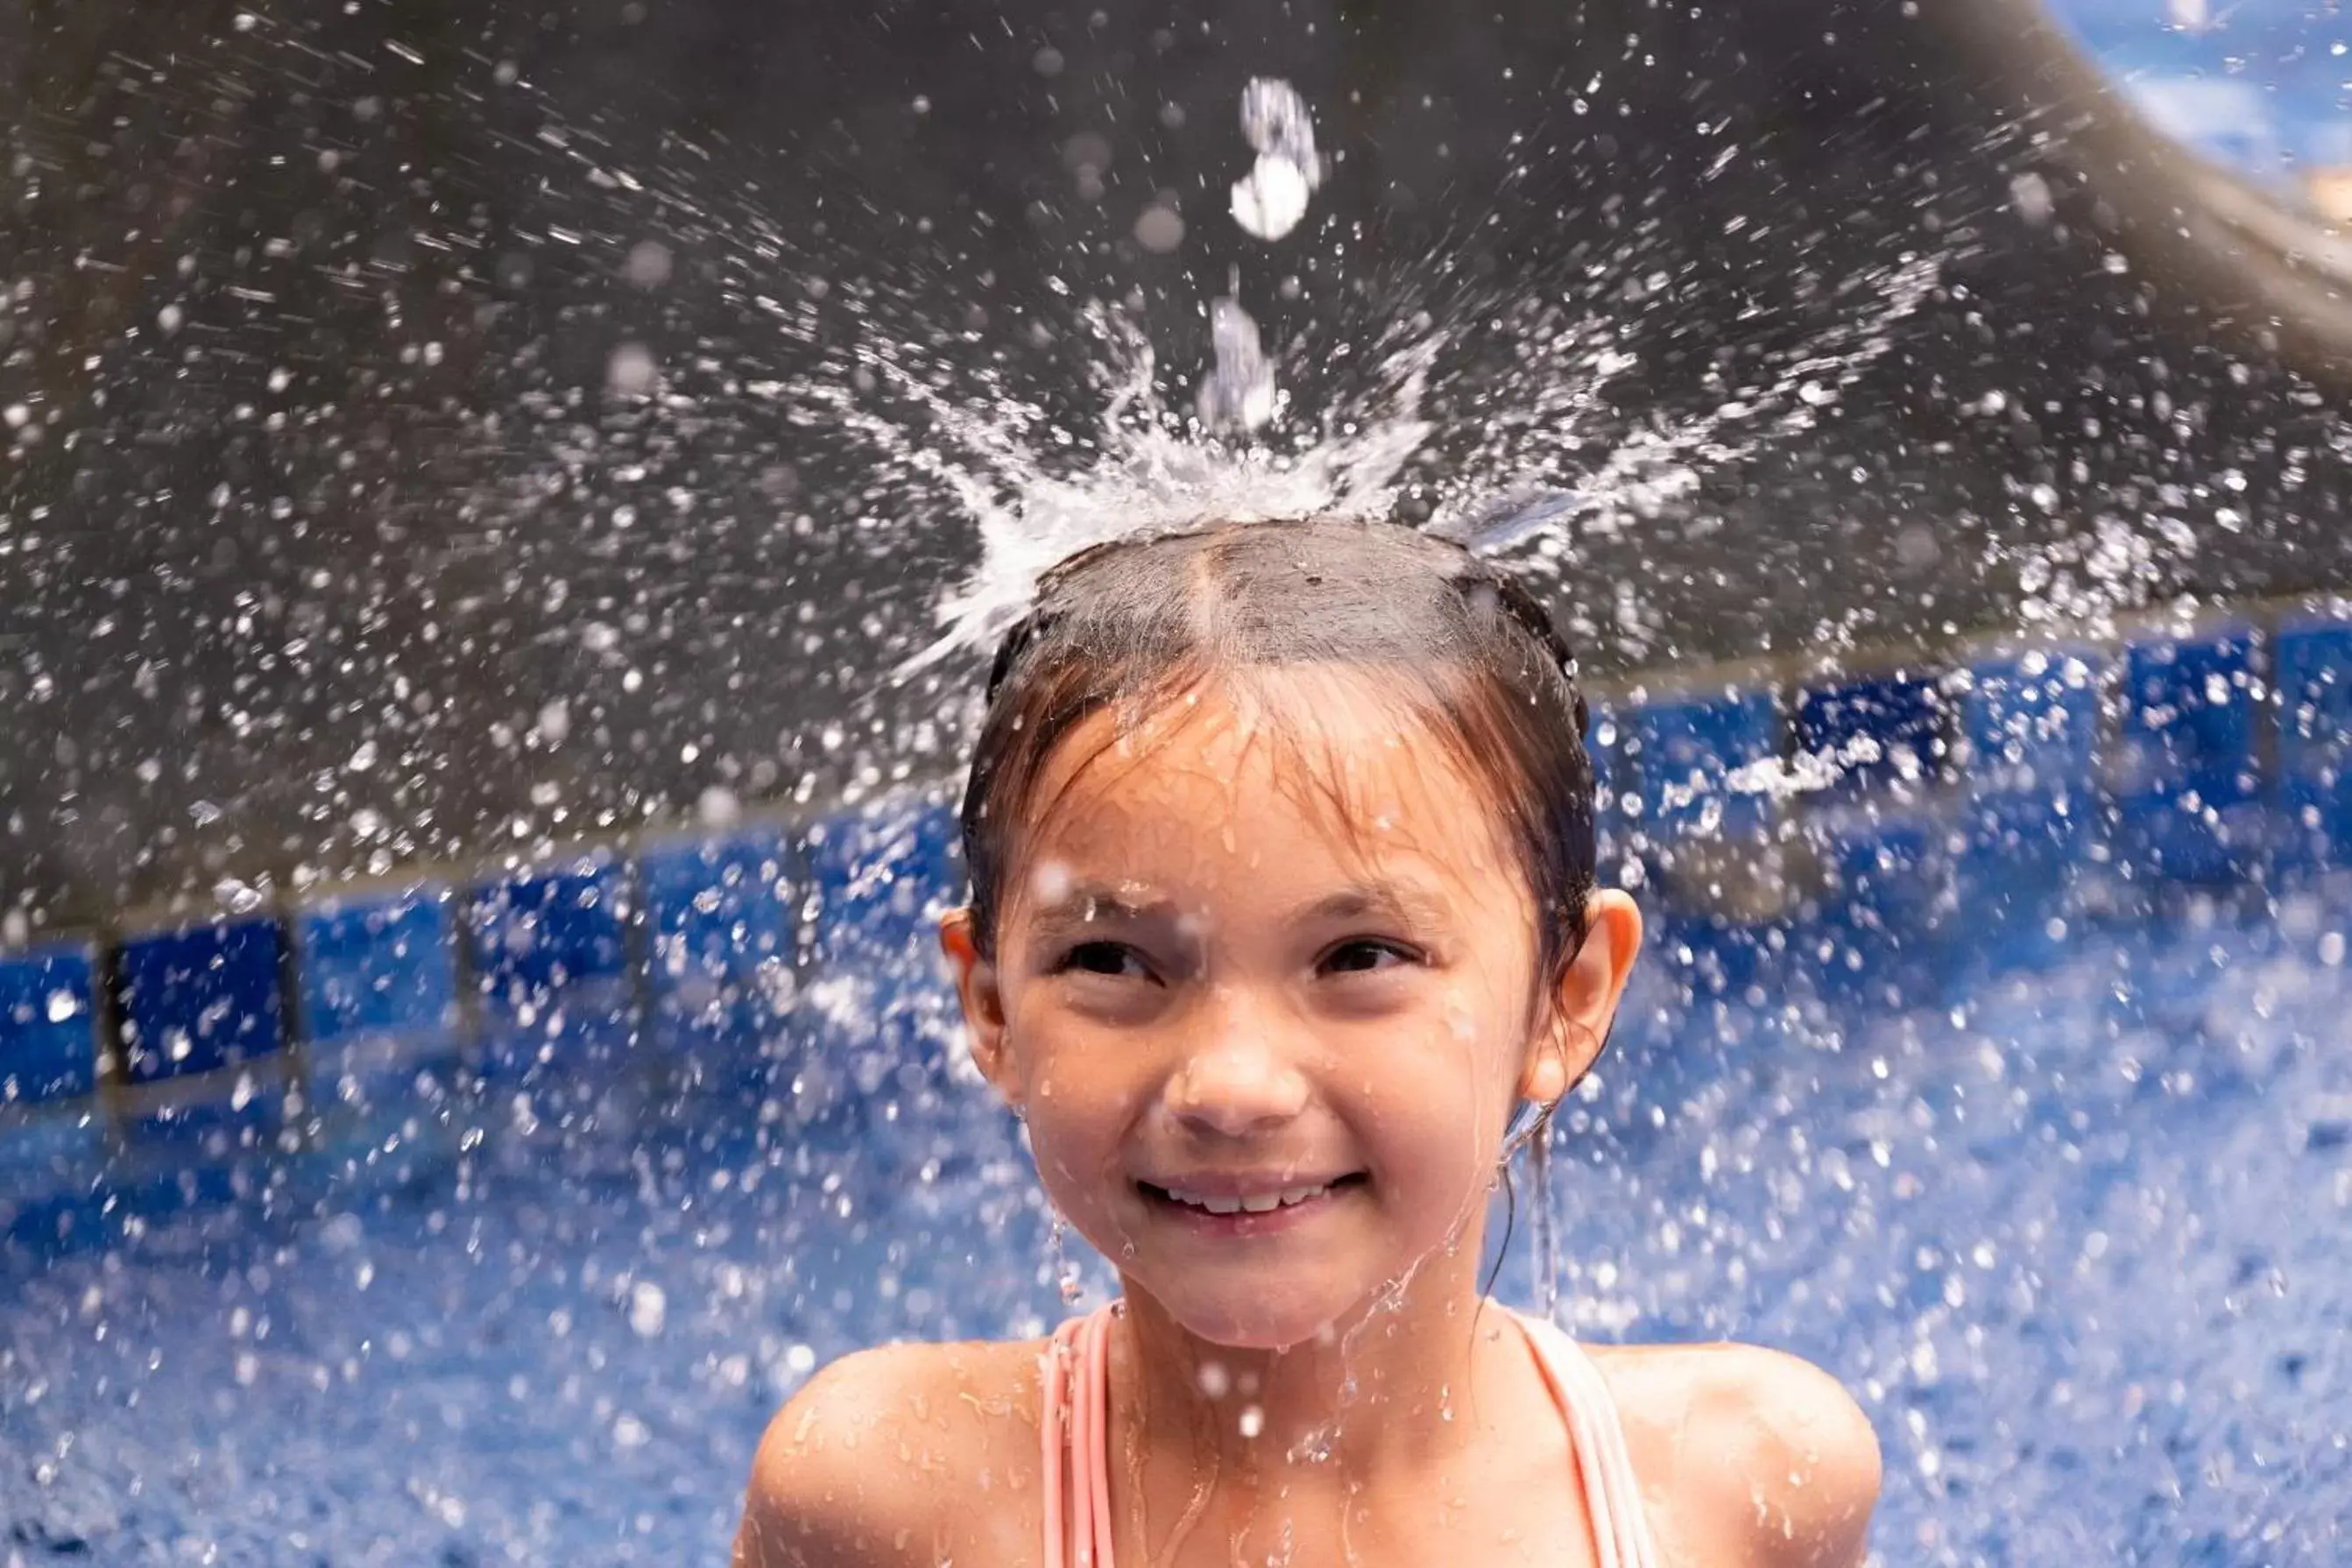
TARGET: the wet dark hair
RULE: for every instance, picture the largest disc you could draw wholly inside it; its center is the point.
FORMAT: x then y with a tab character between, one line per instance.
1458	643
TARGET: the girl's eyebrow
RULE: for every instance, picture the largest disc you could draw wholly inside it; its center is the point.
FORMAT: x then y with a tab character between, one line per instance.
1090	904
1098	904
1392	900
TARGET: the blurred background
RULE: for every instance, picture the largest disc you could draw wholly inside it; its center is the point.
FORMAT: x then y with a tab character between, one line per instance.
503	507
394	465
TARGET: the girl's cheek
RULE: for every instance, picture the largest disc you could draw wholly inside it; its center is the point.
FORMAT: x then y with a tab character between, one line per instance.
1072	1119
1070	1168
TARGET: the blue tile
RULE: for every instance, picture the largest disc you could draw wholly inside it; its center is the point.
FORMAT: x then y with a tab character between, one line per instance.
1678	754
2315	741
880	877
377	964
53	1169
1882	735
199	998
1885	874
550	953
48	1022
2032	810
2184	773
541	931
191	1127
2032	725
1887	906
192	1151
879	1021
723	918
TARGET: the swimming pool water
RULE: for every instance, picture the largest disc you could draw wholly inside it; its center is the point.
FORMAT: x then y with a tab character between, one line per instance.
2071	1232
1988	1049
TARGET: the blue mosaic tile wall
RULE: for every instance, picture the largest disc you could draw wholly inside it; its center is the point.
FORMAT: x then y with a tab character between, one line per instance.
1896	832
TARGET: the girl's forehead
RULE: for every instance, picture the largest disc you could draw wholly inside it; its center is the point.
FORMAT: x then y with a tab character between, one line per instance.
1304	761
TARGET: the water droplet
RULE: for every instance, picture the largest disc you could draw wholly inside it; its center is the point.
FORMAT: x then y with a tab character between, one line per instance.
719	807
632	372
1272	198
1160	229
1239	394
2032	194
648	266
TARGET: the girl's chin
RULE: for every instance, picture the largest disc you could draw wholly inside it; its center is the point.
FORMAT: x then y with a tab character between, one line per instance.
1253	1327
1246	1316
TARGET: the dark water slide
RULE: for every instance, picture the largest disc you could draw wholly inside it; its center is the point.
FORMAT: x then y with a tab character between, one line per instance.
396	465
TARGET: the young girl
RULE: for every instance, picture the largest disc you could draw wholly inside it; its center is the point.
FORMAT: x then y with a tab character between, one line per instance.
1281	917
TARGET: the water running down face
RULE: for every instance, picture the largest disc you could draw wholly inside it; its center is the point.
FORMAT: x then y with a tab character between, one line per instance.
1266	991
1281	842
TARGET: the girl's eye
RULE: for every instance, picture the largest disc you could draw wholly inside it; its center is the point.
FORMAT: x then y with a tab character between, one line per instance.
1363	955
1114	959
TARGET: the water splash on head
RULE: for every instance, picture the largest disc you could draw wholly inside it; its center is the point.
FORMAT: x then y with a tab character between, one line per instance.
1239	394
1517	479
1154	471
1525	469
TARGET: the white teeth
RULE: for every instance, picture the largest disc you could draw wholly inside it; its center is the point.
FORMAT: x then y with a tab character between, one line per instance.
1262	1204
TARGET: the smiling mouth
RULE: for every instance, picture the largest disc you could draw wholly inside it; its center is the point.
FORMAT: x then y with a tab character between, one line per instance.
1252	1204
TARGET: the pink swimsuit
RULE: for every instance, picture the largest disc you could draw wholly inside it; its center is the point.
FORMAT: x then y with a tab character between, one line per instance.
1076	1434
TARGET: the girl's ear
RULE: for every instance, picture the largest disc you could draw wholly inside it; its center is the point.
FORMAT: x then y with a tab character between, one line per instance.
1586	1000
982	999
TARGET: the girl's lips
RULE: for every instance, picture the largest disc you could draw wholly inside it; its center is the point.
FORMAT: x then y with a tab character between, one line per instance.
1241	1223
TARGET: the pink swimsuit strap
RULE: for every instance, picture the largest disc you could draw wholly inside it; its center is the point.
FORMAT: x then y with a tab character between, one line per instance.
1076	1441
1074	1436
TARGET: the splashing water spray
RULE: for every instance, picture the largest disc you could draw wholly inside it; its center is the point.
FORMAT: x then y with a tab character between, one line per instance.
1153	470
1239	394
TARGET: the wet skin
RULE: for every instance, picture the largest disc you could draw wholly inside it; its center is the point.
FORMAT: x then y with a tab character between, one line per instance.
1265	990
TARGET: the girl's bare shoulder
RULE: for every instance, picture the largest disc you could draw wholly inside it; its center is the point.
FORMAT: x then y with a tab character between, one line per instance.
1747	1455
904	1453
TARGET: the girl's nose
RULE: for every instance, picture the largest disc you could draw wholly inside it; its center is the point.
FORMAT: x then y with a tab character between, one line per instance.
1236	1088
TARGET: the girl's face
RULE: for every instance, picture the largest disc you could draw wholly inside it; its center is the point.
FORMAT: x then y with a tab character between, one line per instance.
1265	992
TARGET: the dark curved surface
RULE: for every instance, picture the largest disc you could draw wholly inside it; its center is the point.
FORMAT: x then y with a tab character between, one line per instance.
2271	274
423	551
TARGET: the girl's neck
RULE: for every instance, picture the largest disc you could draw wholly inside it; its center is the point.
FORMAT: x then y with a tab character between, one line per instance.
1399	1379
